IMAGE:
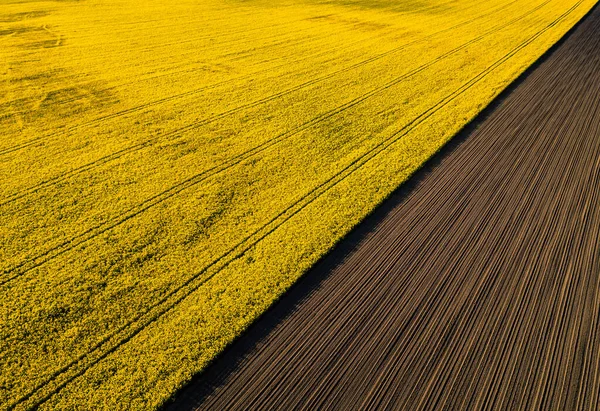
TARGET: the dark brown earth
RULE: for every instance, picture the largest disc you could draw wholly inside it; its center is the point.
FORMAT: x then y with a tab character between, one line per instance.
477	285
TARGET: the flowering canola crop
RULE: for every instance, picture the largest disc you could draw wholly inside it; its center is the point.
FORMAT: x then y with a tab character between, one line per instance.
169	169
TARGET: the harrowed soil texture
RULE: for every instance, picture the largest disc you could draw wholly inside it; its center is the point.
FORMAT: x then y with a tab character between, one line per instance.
476	285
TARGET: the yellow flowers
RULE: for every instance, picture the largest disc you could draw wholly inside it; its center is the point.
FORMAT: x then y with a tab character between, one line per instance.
169	169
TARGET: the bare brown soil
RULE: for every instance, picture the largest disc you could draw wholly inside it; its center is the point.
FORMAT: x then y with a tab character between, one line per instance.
477	285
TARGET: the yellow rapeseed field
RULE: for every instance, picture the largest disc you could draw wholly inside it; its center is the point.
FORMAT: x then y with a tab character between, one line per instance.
169	168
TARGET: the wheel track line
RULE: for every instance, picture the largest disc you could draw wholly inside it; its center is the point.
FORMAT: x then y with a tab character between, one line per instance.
221	167
324	186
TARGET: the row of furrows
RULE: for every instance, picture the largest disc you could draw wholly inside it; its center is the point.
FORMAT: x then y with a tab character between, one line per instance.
524	200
